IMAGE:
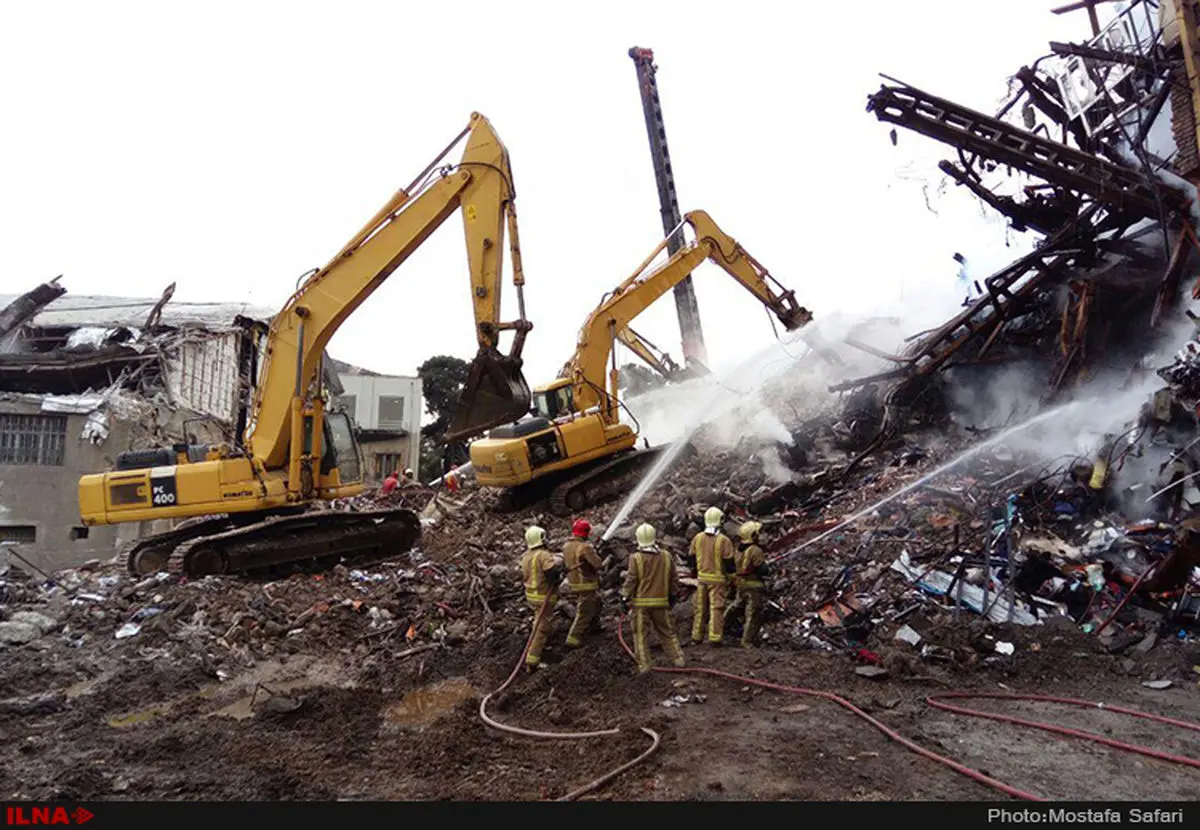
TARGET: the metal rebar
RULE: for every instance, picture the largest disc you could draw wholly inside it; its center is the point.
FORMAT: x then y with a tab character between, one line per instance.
53	581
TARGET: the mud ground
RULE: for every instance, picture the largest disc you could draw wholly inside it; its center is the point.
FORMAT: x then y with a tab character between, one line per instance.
344	727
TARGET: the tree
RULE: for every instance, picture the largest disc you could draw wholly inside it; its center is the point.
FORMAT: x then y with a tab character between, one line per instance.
442	379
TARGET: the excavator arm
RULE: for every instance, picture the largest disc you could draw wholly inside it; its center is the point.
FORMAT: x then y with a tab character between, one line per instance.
610	321
654	357
287	403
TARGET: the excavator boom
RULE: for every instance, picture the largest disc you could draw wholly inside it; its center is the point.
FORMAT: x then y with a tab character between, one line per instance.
612	318
496	392
249	508
576	451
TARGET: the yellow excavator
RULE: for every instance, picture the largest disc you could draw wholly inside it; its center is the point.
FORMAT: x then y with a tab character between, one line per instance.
261	504
575	449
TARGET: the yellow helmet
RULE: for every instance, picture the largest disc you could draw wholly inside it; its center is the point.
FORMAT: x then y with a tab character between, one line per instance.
713	517
749	530
535	537
646	536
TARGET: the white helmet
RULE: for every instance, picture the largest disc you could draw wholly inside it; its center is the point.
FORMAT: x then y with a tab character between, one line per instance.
713	517
535	537
645	537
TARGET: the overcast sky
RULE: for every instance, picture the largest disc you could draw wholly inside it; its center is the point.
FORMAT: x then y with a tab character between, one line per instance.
229	147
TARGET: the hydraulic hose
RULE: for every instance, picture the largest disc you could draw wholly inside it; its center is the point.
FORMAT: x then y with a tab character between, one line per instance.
841	701
562	736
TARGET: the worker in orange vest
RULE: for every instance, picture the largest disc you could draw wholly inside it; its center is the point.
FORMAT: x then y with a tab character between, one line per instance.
390	483
651	586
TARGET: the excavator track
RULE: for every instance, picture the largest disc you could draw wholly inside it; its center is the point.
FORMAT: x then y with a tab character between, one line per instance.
325	538
149	554
600	483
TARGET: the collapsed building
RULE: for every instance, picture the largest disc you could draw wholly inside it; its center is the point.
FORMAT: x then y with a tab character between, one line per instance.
83	378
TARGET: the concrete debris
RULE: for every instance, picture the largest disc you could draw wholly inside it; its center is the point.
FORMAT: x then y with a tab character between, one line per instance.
913	531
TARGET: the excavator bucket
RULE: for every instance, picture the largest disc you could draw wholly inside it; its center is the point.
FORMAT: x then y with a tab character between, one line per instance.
495	393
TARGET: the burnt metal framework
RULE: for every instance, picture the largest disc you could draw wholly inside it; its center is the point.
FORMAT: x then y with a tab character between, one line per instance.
1124	192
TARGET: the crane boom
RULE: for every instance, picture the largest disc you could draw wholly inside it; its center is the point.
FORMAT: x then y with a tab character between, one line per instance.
685	294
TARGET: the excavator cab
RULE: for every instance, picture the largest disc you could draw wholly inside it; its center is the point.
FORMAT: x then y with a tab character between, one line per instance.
494	393
554	400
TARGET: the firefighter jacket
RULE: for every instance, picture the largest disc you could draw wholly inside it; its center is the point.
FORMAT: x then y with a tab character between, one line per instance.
652	579
583	566
751	565
539	567
713	553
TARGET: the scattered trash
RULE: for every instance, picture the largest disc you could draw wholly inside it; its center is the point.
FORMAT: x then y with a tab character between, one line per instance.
908	635
676	701
128	630
872	672
1005	648
1157	684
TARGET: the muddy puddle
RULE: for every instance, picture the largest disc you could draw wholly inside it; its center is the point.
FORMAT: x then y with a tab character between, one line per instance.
423	706
248	706
140	716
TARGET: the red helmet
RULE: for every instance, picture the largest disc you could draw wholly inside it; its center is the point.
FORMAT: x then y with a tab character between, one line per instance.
581	528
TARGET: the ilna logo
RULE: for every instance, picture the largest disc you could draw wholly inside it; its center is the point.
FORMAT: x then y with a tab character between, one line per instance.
46	815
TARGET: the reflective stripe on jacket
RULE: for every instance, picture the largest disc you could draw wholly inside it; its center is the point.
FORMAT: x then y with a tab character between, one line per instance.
747	561
648	584
652	586
583	566
710	550
534	565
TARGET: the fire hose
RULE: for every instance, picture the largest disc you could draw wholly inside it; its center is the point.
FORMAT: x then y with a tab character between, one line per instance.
936	702
561	736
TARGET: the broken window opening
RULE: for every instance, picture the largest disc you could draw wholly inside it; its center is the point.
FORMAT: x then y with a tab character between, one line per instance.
22	534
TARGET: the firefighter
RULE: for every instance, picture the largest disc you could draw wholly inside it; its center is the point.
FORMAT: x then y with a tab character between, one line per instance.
542	571
711	558
751	569
651	586
583	577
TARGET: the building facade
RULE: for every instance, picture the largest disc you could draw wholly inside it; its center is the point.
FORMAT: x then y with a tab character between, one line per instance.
387	410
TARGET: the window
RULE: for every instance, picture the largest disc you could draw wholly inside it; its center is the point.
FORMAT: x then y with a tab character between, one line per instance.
554	403
33	439
391	412
340	435
346	404
18	533
387	463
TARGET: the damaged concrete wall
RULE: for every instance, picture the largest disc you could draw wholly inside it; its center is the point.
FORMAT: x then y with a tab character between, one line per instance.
202	375
39	497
